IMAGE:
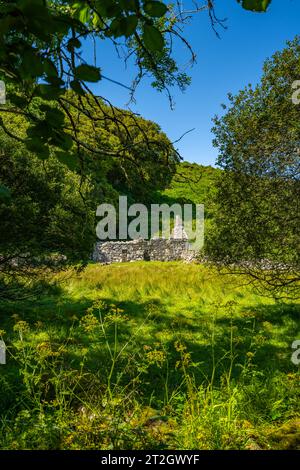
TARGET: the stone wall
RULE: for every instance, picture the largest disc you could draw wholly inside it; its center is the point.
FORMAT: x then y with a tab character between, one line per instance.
159	249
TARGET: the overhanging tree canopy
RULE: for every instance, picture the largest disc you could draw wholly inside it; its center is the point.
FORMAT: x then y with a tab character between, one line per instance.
258	218
40	55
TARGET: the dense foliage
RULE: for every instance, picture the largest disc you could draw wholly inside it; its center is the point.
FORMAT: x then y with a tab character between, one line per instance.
50	113
258	215
41	55
48	206
42	209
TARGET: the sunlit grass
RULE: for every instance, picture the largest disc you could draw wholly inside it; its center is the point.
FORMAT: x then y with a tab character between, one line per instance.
199	355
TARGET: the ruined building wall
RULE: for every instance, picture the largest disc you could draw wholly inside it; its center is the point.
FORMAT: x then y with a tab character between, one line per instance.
159	249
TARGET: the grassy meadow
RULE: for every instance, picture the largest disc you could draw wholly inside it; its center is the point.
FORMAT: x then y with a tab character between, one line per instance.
149	356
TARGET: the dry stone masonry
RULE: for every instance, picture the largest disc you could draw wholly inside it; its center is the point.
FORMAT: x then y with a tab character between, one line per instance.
156	249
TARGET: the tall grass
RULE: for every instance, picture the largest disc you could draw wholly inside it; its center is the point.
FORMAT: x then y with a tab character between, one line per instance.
149	355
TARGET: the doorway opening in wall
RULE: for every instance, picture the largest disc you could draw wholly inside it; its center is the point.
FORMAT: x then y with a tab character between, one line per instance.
146	255
124	255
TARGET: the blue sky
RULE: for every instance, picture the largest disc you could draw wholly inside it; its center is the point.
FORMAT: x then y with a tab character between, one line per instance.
223	65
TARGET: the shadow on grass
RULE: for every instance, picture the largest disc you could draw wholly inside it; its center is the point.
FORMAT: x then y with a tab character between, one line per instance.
263	333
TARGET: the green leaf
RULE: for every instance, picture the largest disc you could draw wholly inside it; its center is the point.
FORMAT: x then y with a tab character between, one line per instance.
62	140
81	11
33	8
41	130
97	22
73	43
255	5
129	5
153	38
101	8
123	26
61	24
45	107
155	9
32	64
87	73
129	25
76	86
49	68
17	100
55	117
115	28
35	146
24	4
113	9
48	92
55	81
67	159
84	14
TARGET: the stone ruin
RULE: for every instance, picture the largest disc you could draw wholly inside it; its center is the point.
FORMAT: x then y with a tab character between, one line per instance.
156	249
